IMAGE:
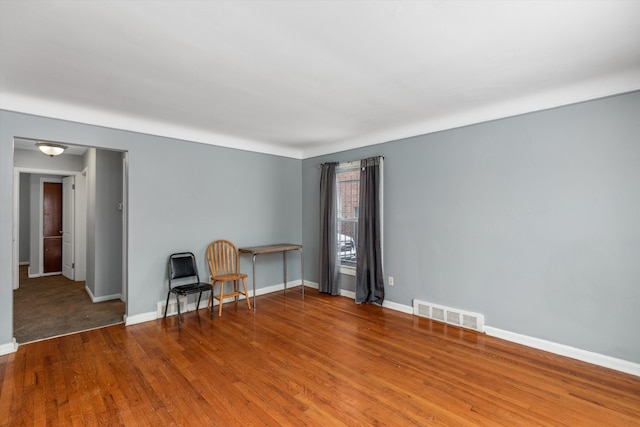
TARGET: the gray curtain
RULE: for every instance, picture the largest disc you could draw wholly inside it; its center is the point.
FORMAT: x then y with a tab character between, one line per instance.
328	275
369	278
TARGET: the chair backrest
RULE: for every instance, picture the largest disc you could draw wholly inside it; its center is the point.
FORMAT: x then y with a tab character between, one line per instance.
182	265
222	256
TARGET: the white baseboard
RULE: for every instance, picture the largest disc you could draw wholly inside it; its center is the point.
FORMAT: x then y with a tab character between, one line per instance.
260	291
310	284
36	275
24	263
568	351
348	294
107	298
386	304
153	315
8	348
398	307
103	298
280	287
343	292
140	318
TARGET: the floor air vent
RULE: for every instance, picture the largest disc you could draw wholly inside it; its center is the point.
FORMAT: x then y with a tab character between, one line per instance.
452	316
173	308
437	313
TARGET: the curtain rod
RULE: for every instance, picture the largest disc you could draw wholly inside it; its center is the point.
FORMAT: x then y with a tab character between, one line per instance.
351	161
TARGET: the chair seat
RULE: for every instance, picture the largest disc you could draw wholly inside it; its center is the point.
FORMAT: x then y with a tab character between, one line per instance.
230	277
191	288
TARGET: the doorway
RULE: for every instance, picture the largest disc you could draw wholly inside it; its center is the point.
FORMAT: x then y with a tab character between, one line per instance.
73	265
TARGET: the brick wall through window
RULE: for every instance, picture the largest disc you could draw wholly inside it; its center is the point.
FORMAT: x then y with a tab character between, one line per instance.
348	199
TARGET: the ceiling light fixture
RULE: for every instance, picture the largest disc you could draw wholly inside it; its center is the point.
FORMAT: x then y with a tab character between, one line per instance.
50	148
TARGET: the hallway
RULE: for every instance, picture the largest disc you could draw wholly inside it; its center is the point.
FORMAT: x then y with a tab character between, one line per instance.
50	306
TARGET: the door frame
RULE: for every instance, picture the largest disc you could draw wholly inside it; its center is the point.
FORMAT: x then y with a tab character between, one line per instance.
125	231
80	178
16	214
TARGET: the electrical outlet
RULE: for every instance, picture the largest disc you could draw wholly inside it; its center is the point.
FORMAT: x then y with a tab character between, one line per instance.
390	281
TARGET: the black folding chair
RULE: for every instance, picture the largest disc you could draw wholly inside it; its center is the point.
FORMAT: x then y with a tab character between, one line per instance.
182	266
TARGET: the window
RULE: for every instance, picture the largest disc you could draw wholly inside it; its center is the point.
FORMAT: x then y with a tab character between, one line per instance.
348	183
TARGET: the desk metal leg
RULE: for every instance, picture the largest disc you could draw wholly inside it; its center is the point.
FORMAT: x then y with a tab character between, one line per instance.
254	281
302	270
284	263
284	271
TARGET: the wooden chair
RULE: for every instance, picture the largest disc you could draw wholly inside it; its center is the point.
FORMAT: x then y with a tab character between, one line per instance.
183	269
224	263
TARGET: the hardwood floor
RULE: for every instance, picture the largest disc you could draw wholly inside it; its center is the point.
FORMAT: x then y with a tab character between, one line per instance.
321	361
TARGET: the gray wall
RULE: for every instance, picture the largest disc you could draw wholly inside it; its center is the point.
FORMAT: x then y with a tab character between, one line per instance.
107	278
89	163
533	221
104	223
25	197
36	160
182	195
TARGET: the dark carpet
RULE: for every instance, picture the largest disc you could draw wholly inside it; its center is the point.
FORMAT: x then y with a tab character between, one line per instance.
46	307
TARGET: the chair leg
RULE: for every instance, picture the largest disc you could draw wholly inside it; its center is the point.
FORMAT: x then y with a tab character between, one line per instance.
235	290
221	299
179	315
210	305
213	296
198	305
166	305
246	294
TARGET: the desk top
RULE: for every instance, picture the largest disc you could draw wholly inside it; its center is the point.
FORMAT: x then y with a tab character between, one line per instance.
279	247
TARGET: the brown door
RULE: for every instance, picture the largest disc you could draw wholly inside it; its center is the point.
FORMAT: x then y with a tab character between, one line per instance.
52	227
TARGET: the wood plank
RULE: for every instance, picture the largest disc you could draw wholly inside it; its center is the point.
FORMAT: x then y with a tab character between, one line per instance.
318	361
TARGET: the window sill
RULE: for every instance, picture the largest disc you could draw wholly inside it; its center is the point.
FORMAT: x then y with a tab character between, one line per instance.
349	271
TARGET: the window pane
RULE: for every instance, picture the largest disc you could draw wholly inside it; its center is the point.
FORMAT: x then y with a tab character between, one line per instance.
348	199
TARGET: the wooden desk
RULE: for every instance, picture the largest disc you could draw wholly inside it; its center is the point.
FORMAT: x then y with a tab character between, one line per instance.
268	249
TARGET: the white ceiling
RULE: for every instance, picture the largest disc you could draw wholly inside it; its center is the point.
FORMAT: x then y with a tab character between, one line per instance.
304	78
